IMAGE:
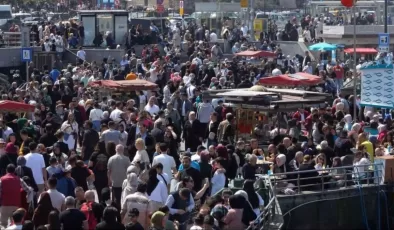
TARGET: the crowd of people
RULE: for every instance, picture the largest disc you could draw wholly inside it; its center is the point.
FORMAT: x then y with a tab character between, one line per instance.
164	159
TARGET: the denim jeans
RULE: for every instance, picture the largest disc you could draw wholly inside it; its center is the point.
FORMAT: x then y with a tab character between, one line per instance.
339	83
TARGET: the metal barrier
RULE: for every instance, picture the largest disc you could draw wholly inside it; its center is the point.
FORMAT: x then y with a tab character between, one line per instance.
329	178
266	219
13	39
271	216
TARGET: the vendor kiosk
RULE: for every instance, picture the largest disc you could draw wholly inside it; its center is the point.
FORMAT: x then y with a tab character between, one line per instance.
106	22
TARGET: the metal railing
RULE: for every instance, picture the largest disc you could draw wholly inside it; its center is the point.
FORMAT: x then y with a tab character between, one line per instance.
329	178
266	219
13	39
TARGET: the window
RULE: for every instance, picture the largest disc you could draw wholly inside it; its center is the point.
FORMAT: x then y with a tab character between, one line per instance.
5	15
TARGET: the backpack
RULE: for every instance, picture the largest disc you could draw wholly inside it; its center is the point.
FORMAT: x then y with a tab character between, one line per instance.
86	208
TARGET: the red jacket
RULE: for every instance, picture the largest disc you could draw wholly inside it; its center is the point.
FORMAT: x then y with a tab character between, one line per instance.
10	186
297	115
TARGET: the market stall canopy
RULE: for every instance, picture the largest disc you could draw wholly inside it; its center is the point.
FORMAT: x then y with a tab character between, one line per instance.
322	47
260	53
361	51
15	107
291	80
137	84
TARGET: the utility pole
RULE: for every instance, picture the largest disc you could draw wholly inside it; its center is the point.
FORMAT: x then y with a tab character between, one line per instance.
385	15
251	18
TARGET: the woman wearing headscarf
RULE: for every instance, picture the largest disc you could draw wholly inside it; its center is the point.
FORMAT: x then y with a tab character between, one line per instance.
353	134
43	209
106	201
9	157
382	129
280	164
348	122
130	183
248	214
22	170
158	221
254	198
156	190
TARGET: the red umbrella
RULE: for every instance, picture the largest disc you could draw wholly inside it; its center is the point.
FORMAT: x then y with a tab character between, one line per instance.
292	80
13	106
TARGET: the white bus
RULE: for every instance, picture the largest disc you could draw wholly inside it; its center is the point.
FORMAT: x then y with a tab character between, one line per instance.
5	14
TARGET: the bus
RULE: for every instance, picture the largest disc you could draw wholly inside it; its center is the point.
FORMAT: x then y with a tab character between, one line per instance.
5	15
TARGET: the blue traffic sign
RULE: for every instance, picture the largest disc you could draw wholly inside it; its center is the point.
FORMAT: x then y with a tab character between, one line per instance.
384	42
159	2
26	54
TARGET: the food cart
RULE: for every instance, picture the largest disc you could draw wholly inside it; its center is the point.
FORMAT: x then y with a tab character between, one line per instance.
12	110
258	109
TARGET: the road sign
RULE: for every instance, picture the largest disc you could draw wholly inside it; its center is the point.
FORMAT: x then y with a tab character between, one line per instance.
244	3
160	8
26	54
384	42
181	8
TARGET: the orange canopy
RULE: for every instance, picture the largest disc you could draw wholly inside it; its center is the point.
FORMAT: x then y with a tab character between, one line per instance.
137	84
259	53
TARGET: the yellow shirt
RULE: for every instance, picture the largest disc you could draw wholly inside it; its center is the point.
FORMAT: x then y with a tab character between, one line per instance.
20	153
131	76
369	148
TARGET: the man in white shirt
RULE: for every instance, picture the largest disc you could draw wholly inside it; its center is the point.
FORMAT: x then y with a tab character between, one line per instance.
81	54
57	197
190	90
168	162
35	161
6	130
213	38
115	114
197	156
244	30
96	115
153	74
17	219
151	107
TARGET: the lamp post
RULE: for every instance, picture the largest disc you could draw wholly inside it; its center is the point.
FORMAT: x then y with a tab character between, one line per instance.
355	80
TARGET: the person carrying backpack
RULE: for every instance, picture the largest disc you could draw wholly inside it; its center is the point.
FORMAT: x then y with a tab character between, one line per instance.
92	210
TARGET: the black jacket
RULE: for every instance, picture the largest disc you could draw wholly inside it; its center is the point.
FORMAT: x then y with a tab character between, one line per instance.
5	160
212	128
158	134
